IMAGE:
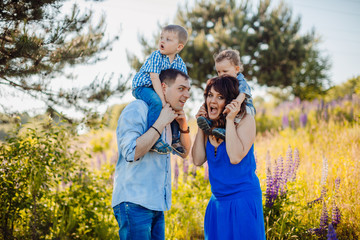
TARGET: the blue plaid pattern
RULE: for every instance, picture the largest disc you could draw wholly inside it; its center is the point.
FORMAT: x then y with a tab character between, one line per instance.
156	63
245	88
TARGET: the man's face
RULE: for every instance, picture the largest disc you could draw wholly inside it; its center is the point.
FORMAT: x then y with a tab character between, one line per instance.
178	93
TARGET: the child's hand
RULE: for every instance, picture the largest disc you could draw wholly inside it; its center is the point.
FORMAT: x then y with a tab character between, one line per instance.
232	109
201	112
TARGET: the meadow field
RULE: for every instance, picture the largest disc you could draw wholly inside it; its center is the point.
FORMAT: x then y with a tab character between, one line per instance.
56	186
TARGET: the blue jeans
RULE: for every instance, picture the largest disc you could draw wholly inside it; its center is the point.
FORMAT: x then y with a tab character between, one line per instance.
139	223
175	131
148	95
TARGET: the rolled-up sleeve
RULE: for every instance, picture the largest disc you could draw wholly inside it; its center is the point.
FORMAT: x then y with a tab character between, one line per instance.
131	125
243	85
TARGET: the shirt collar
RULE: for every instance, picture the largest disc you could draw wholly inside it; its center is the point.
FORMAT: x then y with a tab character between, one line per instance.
165	56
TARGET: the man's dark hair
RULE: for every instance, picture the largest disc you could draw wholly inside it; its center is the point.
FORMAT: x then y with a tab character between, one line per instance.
169	76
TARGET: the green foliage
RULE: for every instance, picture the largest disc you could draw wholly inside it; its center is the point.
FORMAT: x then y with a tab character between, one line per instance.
282	219
266	122
101	142
38	41
112	114
272	49
348	88
83	209
45	191
185	218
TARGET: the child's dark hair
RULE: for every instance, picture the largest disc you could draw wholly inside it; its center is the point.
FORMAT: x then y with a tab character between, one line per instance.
169	76
228	87
181	32
232	55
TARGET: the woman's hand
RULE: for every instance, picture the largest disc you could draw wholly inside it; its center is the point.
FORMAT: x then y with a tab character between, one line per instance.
233	109
201	112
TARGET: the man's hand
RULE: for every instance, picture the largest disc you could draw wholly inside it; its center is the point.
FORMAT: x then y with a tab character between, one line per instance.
167	115
181	119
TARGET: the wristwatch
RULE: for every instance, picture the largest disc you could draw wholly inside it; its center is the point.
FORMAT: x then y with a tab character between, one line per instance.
186	131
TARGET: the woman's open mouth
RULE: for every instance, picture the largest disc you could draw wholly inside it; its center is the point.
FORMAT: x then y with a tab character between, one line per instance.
213	110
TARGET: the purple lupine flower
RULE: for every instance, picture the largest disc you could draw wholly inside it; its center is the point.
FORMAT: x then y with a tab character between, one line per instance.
324	216
185	169
323	192
185	166
176	174
337	185
303	119
281	178
269	181
269	186
326	114
318	200
334	103
206	171
322	104
331	235
193	170
285	121
274	184
335	215
296	163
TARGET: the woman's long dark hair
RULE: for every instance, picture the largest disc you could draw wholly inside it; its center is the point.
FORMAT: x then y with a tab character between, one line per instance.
228	87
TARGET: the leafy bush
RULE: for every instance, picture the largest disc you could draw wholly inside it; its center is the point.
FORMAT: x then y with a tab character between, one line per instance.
47	193
185	219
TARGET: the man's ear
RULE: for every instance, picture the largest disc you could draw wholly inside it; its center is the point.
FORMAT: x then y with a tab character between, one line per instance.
164	87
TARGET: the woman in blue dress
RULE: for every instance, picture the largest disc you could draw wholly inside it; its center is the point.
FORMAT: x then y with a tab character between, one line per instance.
235	208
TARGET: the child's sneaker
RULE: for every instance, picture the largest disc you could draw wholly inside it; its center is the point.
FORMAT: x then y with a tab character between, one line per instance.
204	124
219	133
161	147
178	148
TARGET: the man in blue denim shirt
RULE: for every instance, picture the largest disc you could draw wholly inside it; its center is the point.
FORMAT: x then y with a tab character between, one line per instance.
142	182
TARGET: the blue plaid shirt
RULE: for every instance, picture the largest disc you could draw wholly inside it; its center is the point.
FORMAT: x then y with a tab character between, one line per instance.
145	181
245	88
156	63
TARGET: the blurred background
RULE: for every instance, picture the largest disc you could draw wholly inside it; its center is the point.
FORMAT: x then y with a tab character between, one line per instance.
332	27
65	76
